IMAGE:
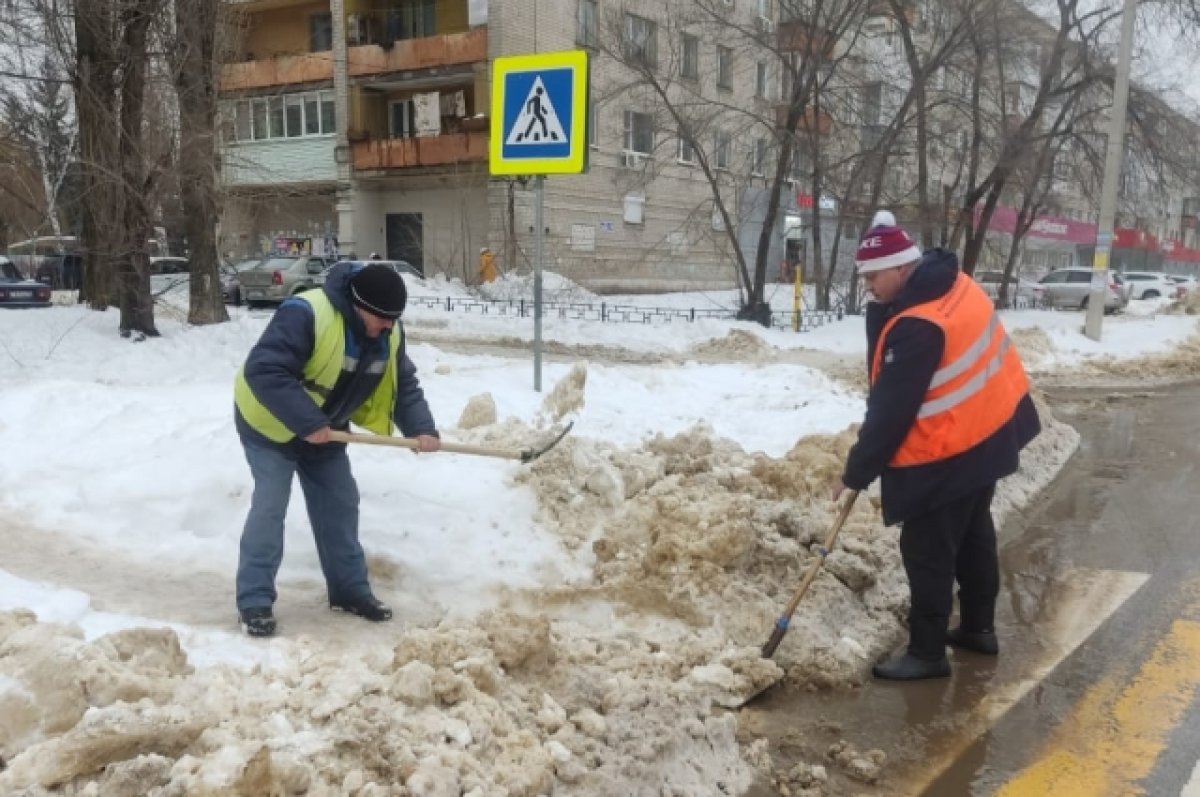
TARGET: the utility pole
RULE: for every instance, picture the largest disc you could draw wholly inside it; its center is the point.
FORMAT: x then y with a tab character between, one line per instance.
1112	175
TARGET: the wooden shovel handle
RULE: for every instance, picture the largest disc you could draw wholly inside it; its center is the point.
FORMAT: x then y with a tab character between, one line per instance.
411	444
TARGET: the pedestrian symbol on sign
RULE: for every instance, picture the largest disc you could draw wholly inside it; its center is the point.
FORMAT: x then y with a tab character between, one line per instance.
538	122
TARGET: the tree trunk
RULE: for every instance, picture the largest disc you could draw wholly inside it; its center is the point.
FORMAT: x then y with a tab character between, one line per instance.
95	96
196	24
133	267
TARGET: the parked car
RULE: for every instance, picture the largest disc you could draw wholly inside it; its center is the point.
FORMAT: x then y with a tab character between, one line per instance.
1185	284
231	289
1072	287
168	274
1149	285
275	279
16	291
401	267
1025	293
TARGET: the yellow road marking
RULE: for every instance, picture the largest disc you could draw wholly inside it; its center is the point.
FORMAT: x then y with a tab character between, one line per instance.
1088	598
1115	735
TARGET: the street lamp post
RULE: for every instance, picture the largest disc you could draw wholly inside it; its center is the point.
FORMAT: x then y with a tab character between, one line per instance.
1112	173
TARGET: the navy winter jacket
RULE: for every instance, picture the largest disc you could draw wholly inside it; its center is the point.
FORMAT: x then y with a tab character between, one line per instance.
913	350
275	368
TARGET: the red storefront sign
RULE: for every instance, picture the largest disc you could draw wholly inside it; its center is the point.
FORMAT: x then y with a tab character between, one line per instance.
1175	252
1050	228
1132	238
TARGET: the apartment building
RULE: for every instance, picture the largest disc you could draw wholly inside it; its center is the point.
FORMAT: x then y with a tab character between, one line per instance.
362	126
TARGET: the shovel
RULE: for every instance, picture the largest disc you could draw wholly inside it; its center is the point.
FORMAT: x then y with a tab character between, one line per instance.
785	619
522	454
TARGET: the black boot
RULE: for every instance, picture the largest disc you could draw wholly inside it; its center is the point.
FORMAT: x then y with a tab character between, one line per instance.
984	642
908	667
368	607
257	622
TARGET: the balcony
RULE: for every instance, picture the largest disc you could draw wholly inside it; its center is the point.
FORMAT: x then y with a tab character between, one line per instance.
797	36
280	70
449	149
410	55
810	121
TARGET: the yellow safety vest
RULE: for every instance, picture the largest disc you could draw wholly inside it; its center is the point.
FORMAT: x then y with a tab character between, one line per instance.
320	375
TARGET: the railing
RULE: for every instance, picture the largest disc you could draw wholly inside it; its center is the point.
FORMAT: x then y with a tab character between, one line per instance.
368	57
279	70
616	313
400	153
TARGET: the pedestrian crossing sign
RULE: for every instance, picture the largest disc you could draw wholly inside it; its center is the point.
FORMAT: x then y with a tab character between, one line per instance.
539	114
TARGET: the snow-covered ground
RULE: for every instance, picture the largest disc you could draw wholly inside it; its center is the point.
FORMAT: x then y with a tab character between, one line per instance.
124	489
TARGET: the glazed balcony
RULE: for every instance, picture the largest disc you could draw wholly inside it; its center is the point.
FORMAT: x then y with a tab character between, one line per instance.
448	149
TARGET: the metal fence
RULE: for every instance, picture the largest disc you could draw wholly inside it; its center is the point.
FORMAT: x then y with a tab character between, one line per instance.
617	313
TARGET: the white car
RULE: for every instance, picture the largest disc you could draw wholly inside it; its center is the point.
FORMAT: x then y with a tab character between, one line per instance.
1185	284
1149	285
1022	293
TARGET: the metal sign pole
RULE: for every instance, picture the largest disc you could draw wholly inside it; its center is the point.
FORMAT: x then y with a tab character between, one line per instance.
1112	173
539	187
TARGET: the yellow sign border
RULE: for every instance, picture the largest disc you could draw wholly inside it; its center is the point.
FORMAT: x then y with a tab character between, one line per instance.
576	160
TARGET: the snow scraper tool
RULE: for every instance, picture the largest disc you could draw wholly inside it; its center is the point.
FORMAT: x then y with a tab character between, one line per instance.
522	454
785	619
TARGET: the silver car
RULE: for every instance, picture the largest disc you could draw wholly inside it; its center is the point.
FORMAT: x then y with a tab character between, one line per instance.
1072	287
277	279
1022	293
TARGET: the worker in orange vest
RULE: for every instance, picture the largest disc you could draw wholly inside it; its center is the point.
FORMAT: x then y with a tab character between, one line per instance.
487	265
948	413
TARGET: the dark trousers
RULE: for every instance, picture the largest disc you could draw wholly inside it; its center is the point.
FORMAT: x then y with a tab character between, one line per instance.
331	495
955	542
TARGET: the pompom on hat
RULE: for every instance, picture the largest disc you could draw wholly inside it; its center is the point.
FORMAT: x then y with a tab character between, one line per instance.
885	245
379	290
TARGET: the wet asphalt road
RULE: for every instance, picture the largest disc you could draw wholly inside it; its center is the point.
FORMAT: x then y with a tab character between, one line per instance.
1096	689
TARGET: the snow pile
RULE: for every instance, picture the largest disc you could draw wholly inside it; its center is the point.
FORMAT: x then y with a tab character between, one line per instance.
605	687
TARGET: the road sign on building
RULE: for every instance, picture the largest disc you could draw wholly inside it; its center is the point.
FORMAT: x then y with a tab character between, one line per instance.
539	114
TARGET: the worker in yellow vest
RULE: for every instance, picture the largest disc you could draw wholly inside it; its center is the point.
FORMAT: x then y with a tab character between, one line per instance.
487	266
948	413
327	358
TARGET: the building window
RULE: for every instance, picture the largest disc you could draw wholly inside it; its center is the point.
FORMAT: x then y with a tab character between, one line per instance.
687	150
275	111
641	41
690	65
872	103
294	116
760	157
585	29
320	33
289	116
593	135
402	119
639	132
724	68
721	149
760	80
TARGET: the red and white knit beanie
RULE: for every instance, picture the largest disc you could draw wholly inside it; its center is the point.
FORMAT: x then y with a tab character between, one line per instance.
885	245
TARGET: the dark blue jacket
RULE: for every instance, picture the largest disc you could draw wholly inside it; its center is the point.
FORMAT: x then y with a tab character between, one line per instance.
275	368
913	350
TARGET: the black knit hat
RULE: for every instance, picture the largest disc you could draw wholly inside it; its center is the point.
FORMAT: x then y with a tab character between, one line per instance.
379	290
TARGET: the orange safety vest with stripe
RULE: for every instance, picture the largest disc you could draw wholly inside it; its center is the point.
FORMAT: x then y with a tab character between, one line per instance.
978	383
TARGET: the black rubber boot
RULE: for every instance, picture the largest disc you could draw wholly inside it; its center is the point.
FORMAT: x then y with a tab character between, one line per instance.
257	622
909	668
984	642
368	607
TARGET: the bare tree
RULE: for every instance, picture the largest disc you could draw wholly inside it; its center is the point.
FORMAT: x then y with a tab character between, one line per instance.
1063	72
195	72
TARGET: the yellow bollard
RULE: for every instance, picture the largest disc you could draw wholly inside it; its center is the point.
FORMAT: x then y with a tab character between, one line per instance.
796	293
